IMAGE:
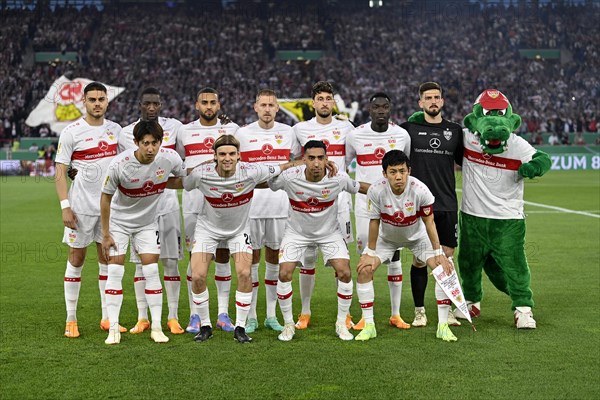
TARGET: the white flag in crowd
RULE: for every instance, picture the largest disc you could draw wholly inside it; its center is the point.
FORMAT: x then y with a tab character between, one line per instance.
63	103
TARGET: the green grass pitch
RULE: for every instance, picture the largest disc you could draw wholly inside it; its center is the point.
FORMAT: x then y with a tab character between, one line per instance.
560	359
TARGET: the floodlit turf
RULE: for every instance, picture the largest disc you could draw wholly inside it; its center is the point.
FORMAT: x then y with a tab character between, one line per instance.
558	360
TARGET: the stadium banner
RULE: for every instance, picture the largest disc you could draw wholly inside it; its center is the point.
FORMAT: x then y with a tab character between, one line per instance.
302	109
451	286
63	103
575	161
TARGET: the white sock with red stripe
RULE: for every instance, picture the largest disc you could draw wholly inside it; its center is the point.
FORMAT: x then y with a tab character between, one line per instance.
189	289
172	285
344	294
139	286
242	306
307	285
72	285
271	276
223	282
102	277
284	295
366	298
201	307
443	304
395	285
114	294
255	284
153	293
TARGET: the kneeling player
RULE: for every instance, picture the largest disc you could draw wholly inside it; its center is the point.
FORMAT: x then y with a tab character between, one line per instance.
138	177
401	215
228	188
313	222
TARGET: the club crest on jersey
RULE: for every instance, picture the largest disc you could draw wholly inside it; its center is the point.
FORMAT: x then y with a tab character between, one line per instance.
447	134
325	193
239	186
72	237
278	138
410	206
166	136
110	135
222	131
160	173
337	134
426	210
392	143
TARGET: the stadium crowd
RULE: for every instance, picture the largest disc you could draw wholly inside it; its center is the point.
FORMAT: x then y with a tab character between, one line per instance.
234	49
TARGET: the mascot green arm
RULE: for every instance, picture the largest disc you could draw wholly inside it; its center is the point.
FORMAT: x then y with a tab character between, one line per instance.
540	164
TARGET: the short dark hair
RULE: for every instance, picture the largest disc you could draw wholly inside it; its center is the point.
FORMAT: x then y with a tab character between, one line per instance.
207	90
144	128
265	92
394	157
94	86
320	87
378	95
150	90
429	86
226	140
315	144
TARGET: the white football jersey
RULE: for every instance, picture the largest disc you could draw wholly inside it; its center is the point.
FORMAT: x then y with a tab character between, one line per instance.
334	136
90	150
313	205
227	199
400	216
137	187
194	145
169	201
369	147
269	147
492	186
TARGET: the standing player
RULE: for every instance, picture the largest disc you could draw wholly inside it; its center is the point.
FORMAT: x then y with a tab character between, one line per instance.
169	219
369	143
228	188
435	146
138	177
401	215
194	145
267	142
88	145
313	217
333	133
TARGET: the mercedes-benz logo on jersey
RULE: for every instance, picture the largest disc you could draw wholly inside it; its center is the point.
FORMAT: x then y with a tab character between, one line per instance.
312	201
487	156
398	216
209	141
267	149
379	153
148	185
434	143
103	145
326	143
227	197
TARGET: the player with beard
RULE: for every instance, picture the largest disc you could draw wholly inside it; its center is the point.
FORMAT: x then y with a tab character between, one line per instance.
333	132
194	145
369	143
436	146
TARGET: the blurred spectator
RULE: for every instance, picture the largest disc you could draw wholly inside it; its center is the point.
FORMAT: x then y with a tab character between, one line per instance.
33	148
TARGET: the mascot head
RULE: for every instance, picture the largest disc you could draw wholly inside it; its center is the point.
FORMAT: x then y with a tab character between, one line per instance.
493	120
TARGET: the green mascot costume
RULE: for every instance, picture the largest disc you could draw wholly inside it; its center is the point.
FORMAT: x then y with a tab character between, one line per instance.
491	222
